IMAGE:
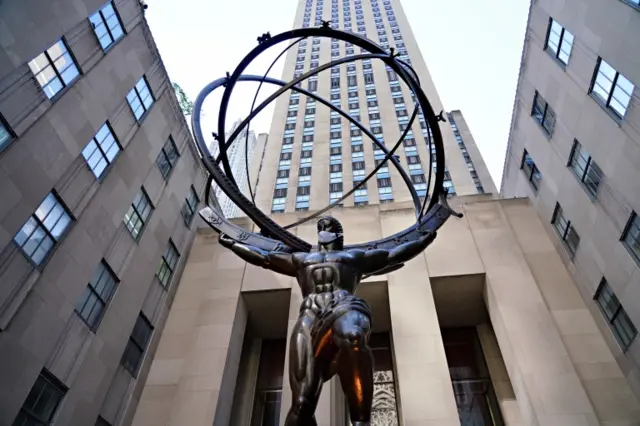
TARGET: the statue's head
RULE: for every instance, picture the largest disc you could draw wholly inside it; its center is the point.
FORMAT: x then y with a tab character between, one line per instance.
330	234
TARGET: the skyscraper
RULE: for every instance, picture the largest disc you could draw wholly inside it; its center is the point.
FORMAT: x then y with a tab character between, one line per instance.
574	150
238	154
314	155
486	328
99	187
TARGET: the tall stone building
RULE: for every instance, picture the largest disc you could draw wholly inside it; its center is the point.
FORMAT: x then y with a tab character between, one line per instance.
574	151
240	158
487	327
99	185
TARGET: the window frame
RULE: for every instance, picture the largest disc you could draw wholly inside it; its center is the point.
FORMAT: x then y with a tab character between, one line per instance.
114	41
569	229
144	221
561	40
590	166
91	289
48	233
134	90
611	317
12	135
102	152
606	104
56	386
631	225
142	348
547	108
189	211
57	72
165	280
164	154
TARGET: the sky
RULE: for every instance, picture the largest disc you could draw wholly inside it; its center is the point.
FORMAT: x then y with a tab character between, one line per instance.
472	49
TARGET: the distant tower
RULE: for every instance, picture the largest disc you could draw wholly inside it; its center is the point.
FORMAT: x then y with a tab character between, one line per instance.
237	155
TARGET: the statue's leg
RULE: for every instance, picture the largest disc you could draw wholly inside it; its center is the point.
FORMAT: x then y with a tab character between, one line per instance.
355	364
304	376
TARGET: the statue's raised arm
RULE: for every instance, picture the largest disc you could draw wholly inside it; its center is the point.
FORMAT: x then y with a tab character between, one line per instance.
375	260
280	262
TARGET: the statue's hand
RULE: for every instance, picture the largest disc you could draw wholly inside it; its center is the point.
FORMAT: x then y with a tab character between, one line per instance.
225	240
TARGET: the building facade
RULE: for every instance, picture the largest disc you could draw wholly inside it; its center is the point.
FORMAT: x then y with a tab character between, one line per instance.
574	149
100	182
471	154
314	156
487	327
239	153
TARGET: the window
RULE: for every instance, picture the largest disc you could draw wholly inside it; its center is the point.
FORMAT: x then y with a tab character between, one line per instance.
585	168
543	113
189	207
101	151
137	344
611	88
140	98
96	296
277	205
530	170
634	3
167	158
6	135
565	230
54	69
43	230
559	41
612	310
138	214
631	236
42	402
168	264
106	25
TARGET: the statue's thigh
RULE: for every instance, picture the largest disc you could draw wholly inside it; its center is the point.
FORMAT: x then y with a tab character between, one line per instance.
351	324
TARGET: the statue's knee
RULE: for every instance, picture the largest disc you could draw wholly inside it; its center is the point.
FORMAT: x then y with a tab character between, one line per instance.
301	405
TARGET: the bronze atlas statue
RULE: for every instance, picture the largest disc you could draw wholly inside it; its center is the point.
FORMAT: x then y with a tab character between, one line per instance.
331	333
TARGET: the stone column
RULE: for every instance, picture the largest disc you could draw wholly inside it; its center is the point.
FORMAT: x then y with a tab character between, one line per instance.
545	381
192	375
425	394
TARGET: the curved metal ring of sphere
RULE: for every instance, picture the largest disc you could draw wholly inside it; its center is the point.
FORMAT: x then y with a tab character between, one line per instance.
225	179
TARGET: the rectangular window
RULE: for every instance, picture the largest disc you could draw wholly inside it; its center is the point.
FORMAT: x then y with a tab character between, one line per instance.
106	25
168	264
42	402
559	41
277	205
101	151
140	98
530	170
565	230
6	135
631	237
138	214
611	89
167	158
54	68
43	230
91	305
137	344
585	169
190	206
543	113
619	322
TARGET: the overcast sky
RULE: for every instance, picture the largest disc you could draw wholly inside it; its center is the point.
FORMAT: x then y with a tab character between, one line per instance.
472	49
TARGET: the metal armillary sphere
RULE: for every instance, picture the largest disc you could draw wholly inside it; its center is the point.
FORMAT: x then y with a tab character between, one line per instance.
430	214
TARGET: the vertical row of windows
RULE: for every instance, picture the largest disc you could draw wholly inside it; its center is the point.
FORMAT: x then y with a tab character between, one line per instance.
467	158
54	70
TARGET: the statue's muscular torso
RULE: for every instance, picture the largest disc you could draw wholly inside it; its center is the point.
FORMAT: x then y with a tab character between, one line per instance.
323	272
